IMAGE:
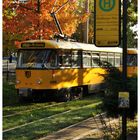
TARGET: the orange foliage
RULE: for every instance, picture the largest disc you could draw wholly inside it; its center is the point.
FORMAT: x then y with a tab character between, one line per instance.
26	19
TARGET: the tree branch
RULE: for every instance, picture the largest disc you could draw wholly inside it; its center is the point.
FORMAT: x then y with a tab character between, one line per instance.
27	8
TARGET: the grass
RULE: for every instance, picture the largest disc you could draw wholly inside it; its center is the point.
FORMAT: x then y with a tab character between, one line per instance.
16	108
31	112
131	130
33	115
47	126
132	126
116	132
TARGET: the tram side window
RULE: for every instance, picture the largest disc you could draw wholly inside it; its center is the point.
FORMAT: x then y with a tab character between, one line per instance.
76	59
103	59
117	60
86	59
65	58
95	59
111	59
131	60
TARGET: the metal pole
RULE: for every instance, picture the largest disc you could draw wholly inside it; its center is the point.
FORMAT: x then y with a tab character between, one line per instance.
124	117
7	75
38	6
125	43
38	11
53	14
86	24
57	23
61	7
124	125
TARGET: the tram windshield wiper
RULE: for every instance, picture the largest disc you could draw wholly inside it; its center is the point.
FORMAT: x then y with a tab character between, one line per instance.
44	66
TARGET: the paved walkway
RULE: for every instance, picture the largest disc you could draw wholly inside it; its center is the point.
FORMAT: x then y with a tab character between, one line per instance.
79	130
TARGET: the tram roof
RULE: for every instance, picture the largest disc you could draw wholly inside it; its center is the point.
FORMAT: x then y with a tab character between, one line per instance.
75	45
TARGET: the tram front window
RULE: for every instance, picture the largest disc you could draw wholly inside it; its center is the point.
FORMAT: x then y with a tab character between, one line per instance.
37	59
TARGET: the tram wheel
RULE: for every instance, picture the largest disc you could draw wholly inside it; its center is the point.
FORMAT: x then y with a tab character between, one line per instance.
64	95
79	93
76	93
80	96
67	96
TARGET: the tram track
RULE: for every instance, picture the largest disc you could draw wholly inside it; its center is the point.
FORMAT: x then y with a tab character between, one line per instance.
50	117
20	109
9	110
17	113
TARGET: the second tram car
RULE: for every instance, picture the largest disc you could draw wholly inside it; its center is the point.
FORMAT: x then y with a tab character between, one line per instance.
132	62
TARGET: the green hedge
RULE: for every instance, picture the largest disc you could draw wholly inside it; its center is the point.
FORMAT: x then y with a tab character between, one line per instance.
10	96
114	84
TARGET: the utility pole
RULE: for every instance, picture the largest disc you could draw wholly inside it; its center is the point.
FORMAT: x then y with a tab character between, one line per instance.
38	11
38	6
124	115
86	24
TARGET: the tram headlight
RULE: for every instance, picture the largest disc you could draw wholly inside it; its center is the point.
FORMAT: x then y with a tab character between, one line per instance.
39	81
17	82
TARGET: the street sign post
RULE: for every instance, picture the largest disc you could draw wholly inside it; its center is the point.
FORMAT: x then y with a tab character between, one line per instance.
107	23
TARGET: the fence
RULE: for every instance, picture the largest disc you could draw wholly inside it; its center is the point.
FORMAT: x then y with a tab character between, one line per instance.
9	71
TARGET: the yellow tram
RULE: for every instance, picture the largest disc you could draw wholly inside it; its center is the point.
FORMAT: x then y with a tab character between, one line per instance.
62	67
132	62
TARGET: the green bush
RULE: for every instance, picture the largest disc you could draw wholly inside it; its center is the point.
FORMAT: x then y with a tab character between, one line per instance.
10	96
114	84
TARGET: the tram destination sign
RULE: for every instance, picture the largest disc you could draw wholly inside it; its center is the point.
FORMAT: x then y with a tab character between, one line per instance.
32	44
107	23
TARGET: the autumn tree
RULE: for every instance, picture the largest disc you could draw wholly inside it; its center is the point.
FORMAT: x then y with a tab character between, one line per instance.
79	34
132	22
132	12
32	20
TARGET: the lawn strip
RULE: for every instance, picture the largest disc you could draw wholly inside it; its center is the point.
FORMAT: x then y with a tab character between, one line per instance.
34	115
14	123
47	126
8	110
25	111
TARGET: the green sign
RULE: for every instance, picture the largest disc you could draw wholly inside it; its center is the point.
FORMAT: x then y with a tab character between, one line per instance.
107	23
107	6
